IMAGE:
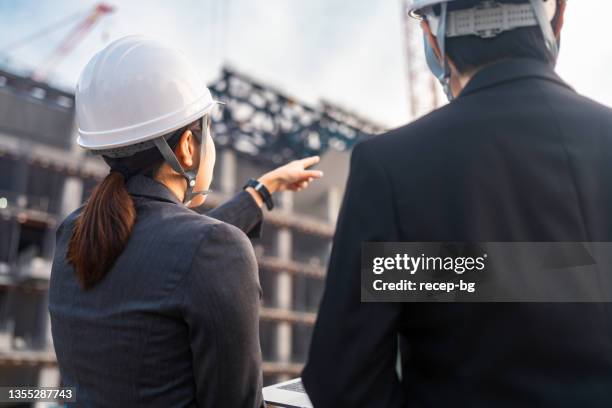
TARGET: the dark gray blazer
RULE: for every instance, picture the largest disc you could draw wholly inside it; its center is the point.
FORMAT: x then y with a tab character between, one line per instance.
175	322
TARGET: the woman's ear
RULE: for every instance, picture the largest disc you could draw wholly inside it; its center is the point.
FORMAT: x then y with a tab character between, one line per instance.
185	149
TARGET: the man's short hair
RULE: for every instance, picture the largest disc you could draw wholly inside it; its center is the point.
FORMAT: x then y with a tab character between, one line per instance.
472	52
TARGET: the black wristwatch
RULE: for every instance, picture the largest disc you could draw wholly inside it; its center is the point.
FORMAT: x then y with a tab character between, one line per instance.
262	191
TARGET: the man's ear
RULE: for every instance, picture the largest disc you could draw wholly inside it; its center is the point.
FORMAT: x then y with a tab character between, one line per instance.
432	40
560	18
184	149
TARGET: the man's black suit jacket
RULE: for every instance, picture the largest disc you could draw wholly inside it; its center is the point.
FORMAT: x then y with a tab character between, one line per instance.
518	156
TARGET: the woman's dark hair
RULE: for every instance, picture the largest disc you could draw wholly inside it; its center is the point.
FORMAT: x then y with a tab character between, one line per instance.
103	228
472	52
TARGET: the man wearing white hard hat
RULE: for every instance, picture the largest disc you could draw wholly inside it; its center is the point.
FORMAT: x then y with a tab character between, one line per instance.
152	303
516	156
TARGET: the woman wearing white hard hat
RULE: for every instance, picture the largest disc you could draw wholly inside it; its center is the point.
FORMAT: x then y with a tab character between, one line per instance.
151	302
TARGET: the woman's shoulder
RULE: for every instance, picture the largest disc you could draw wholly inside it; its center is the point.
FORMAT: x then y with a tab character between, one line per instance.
188	222
226	255
185	227
211	232
68	222
178	227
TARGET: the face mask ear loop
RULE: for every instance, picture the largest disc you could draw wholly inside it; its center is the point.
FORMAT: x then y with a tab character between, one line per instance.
441	38
547	31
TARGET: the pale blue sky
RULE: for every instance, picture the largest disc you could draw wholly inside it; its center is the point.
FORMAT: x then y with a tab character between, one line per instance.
348	51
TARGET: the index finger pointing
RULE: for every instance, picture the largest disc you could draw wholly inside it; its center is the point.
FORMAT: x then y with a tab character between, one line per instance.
310	161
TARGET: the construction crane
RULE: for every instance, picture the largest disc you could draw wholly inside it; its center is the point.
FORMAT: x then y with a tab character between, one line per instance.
68	43
423	90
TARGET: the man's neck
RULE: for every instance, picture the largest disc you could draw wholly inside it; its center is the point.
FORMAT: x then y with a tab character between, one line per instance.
459	81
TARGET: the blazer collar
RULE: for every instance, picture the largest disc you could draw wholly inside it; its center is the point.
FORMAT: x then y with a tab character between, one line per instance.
143	186
511	70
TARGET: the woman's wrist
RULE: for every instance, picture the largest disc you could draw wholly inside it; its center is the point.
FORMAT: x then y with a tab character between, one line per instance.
262	189
270	182
256	196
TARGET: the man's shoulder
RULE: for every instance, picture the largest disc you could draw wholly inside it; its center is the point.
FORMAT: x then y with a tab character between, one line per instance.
467	117
590	109
428	129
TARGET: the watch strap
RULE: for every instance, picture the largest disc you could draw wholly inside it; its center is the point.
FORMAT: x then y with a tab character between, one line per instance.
263	192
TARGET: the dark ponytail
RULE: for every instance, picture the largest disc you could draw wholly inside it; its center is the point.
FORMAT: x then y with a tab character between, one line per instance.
102	230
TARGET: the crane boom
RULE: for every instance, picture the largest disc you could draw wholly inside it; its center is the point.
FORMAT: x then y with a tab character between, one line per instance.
74	37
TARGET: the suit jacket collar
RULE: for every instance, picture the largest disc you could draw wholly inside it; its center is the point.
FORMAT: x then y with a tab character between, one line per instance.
511	70
143	186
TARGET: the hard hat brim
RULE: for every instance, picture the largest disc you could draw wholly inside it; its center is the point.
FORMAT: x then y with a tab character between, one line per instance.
142	132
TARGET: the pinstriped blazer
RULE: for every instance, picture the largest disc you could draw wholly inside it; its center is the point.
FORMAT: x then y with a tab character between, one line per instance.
175	321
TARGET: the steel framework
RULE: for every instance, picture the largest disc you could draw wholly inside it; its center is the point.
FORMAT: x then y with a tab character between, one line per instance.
275	128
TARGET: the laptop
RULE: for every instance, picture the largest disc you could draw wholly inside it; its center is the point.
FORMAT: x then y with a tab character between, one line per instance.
288	394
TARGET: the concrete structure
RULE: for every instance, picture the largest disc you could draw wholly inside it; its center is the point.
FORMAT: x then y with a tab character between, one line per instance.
44	177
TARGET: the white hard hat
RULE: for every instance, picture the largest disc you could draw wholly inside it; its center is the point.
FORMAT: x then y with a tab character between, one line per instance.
135	90
485	19
488	19
413	7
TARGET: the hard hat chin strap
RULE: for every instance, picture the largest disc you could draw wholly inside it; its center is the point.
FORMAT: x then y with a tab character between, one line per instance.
441	70
189	175
539	9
